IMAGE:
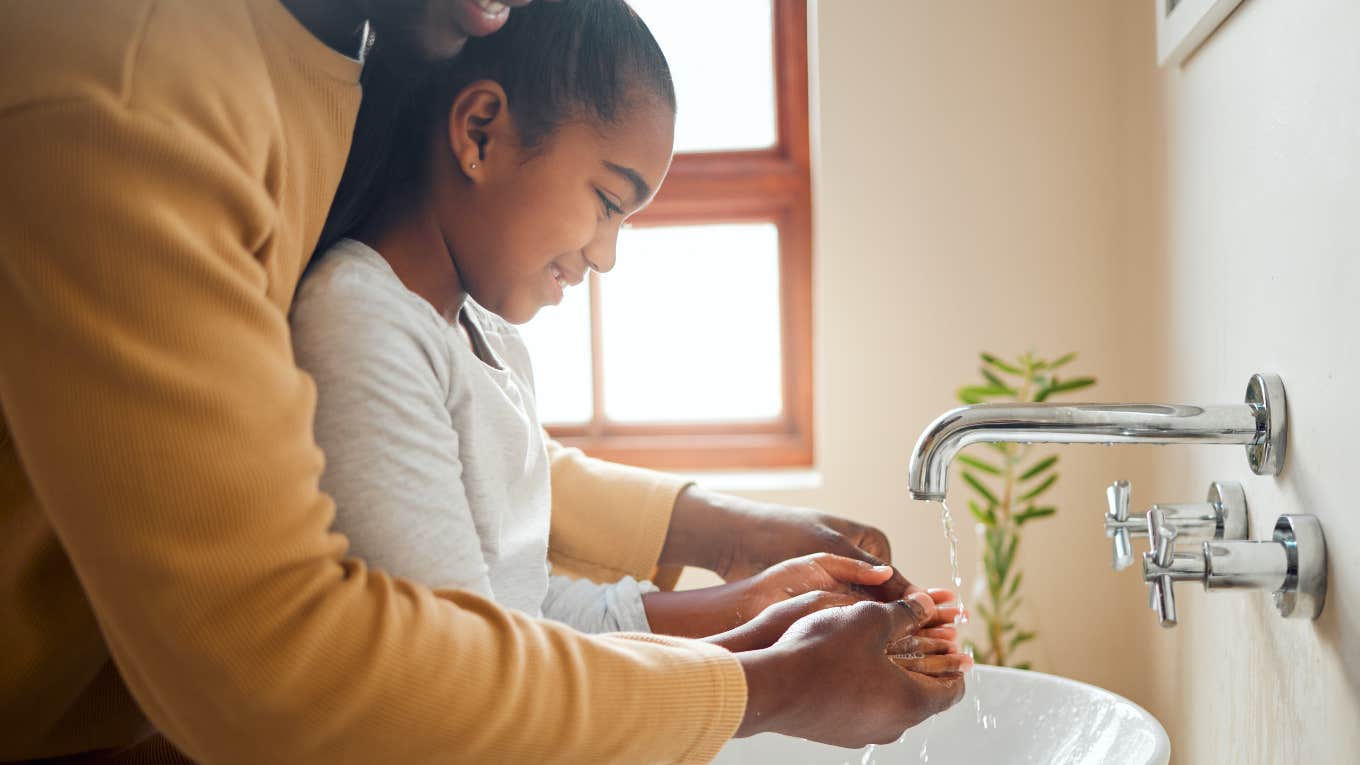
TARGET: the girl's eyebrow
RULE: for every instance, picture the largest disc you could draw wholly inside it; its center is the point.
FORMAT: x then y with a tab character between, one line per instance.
641	191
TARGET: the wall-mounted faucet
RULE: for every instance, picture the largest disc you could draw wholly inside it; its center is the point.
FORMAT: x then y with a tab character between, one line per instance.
1293	564
1259	424
1223	515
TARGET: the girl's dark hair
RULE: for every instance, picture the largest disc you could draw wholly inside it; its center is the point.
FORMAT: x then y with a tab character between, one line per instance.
557	61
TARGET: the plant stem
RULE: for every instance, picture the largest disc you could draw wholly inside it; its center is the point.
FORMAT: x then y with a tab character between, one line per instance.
1005	528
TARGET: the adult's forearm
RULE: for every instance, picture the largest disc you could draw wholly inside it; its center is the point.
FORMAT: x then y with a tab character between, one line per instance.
698	533
148	383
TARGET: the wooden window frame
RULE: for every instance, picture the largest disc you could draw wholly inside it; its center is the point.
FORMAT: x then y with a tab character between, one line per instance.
766	186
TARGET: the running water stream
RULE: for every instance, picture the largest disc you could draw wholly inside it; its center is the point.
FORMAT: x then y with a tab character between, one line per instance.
948	521
985	721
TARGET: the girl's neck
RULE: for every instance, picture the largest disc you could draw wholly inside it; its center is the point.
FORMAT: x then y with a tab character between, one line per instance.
405	232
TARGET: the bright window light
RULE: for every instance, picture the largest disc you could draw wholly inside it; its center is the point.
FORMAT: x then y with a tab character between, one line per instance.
691	325
559	344
722	59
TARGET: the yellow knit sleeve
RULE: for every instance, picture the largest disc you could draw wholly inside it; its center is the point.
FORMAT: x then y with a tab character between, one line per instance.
609	520
149	388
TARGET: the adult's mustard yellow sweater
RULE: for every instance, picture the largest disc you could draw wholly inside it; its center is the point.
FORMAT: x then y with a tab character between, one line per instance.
165	555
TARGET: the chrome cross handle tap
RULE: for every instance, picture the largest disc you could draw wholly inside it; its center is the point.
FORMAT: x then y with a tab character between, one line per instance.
1293	564
1223	515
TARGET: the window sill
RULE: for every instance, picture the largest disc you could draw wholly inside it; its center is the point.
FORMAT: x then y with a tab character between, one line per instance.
754	480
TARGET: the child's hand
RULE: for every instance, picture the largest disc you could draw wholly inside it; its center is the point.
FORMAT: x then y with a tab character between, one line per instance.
809	573
937	635
713	611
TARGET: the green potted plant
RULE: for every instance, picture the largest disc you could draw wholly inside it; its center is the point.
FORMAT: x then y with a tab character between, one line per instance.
1006	488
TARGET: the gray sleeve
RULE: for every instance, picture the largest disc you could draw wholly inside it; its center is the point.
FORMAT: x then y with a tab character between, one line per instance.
382	420
591	607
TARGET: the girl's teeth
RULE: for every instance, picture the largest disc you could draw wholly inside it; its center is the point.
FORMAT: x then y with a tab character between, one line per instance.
491	7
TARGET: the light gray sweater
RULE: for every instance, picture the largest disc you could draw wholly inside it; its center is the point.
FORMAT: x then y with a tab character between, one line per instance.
435	457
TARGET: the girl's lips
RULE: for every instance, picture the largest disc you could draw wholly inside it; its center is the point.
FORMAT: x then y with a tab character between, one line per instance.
559	284
567	278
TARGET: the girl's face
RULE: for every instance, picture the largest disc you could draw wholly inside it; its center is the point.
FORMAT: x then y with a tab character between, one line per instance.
522	225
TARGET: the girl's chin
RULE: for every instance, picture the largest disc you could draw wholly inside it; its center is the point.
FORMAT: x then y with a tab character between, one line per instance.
520	314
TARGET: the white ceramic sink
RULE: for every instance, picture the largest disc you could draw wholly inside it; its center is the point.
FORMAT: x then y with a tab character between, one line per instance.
1008	716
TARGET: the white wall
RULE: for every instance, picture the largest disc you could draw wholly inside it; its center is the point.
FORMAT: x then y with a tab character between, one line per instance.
1249	226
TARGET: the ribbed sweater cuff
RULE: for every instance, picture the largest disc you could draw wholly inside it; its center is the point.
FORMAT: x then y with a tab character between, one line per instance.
705	698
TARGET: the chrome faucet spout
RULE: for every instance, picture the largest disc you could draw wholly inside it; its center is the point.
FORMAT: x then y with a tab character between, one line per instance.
1258	424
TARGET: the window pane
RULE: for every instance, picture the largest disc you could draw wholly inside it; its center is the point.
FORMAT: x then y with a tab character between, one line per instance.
559	344
721	55
690	325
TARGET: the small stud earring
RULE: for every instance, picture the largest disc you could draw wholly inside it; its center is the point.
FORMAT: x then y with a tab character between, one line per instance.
472	166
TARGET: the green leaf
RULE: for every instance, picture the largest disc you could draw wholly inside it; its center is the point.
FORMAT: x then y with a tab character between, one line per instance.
1040	489
1031	513
996	382
1011	608
985	516
1039	467
999	364
1009	556
979	487
986	614
982	465
977	394
1015	584
1003	448
1065	386
1020	639
1022	665
1063	360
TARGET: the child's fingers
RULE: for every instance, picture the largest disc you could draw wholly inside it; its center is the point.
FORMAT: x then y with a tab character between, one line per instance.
941	595
940	633
945	664
946	613
852	571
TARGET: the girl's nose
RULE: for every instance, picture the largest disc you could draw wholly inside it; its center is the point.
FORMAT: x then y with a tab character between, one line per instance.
600	254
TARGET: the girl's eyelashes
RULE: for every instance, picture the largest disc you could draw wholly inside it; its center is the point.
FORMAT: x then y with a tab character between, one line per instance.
610	209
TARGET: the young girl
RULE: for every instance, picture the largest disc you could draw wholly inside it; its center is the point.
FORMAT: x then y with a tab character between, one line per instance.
510	172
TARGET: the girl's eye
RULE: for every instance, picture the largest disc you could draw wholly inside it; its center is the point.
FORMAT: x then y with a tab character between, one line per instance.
610	209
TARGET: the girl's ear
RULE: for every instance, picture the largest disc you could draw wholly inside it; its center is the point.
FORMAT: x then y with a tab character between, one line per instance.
479	126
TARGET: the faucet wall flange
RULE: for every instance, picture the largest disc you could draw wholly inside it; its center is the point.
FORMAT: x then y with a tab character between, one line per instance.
1265	393
1305	586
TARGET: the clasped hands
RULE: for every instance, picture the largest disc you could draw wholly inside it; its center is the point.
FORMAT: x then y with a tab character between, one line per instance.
836	645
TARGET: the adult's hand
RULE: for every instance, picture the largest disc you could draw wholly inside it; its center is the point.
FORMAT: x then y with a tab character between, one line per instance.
737	538
829	679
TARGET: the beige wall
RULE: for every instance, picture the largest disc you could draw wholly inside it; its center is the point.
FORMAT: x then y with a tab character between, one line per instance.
1249	224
